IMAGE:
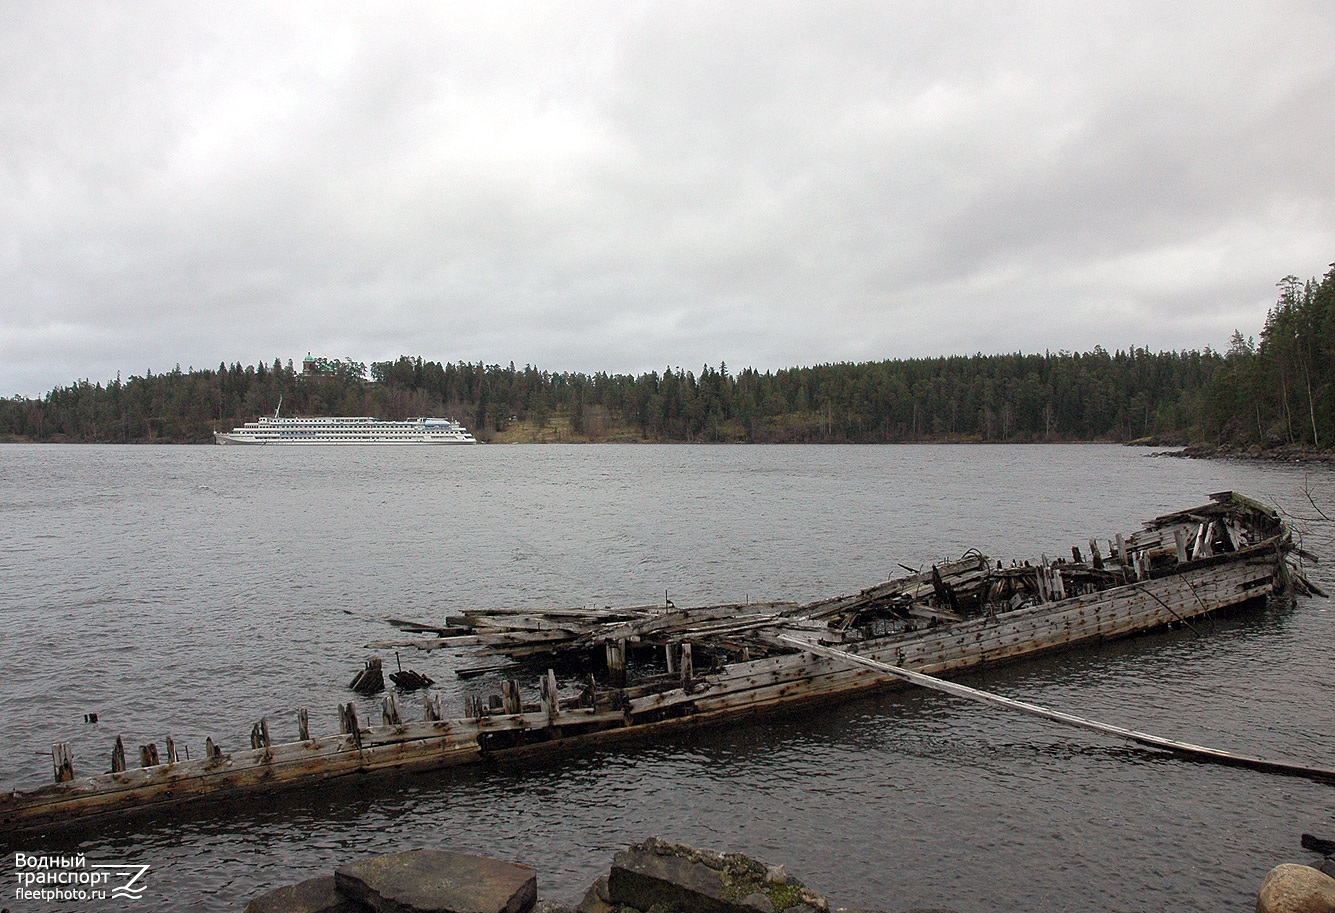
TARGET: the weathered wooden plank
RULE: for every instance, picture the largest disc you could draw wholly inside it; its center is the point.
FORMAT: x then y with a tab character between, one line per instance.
668	622
62	760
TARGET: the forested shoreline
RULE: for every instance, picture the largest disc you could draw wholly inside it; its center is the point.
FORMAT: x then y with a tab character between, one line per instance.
1271	393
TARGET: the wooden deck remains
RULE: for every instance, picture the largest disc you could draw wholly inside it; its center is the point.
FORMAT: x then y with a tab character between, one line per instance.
708	664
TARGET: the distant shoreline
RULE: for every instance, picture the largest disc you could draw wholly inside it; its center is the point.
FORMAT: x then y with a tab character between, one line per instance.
1282	454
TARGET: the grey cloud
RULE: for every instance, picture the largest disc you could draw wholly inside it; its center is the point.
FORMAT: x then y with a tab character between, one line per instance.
626	186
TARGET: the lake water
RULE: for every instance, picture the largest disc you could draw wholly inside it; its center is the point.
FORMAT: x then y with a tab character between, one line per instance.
188	591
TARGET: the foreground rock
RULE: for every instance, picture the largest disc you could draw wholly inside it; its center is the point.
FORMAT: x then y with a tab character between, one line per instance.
315	895
1296	889
438	881
659	874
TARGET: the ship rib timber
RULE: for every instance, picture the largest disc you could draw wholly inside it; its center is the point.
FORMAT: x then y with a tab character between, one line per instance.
1178	568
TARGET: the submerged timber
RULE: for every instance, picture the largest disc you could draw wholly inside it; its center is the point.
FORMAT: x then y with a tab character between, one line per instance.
710	664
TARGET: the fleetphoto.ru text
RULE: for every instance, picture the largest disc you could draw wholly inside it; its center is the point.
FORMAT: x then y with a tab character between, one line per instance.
75	879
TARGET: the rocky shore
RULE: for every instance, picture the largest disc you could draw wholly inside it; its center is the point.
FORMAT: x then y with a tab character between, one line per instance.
650	877
1279	454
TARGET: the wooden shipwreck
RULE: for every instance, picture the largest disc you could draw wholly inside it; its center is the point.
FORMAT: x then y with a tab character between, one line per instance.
644	670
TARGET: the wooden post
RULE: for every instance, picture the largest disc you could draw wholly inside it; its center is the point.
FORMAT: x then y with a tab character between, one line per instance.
687	667
303	725
148	755
511	700
670	651
1075	553
431	705
616	662
118	756
259	734
1121	549
472	706
172	756
347	722
63	761
389	710
551	701
1094	554
211	751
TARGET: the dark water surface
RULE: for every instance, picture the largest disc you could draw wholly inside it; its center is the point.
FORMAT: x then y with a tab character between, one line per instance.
188	591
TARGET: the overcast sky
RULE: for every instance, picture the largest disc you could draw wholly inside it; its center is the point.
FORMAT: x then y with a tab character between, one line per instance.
624	187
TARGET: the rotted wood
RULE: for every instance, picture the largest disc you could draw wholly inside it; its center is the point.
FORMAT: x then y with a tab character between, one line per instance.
62	761
475	671
348	723
551	700
370	680
616	662
410	679
511	701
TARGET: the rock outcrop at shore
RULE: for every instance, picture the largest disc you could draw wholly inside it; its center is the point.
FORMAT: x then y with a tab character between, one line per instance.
1287	453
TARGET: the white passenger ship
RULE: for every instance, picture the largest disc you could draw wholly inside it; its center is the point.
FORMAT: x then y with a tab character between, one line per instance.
346	430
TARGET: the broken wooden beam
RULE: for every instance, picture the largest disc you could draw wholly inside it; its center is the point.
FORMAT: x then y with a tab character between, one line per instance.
1068	719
